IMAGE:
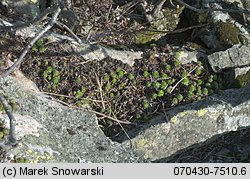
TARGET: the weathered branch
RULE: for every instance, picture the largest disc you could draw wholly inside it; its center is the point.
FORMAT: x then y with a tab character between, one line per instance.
38	19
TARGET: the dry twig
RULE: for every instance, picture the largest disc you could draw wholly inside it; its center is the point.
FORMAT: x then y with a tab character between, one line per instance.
182	79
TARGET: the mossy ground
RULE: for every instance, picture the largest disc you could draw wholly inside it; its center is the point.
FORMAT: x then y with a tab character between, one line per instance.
136	94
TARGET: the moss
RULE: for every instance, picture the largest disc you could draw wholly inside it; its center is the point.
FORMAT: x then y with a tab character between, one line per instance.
242	80
3	132
198	98
164	76
78	79
39	46
145	104
121	85
111	95
83	89
21	160
179	97
157	85
197	17
108	86
160	93
170	81
78	94
155	74
164	85
39	63
131	76
210	80
198	92
49	77
215	77
190	94
113	81
201	112
120	73
184	74
199	82
137	115
228	33
42	49
49	69
191	88
179	55
56	79
177	63
199	63
154	96
197	71
45	75
185	81
102	110
215	85
146	74
174	101
140	144
114	76
106	77
1	135
168	67
61	98
205	91
173	119
208	85
168	90
148	84
146	36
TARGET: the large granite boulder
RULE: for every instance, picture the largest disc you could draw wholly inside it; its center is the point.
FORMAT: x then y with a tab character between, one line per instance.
234	64
194	123
50	132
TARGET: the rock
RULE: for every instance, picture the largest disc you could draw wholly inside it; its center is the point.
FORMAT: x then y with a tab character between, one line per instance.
238	77
185	56
194	123
235	65
50	132
29	8
231	58
226	29
231	147
163	18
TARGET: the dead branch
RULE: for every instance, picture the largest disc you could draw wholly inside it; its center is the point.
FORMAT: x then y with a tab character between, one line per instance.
38	19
